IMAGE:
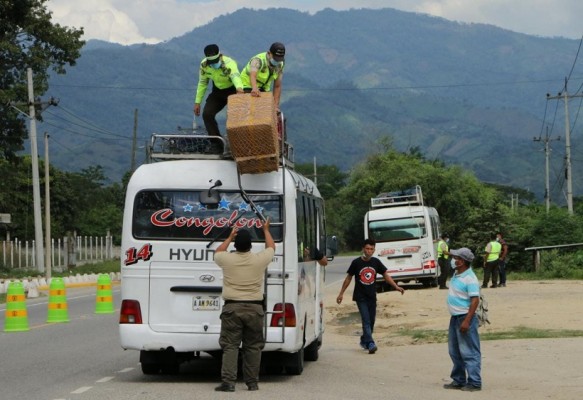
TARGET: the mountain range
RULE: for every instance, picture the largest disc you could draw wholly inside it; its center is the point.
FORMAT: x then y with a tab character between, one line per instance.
468	94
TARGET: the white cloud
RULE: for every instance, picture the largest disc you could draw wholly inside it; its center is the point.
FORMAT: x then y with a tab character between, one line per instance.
151	21
100	19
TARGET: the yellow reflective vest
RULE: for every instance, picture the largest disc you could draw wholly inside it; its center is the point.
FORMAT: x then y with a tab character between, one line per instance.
226	76
494	253
440	249
265	76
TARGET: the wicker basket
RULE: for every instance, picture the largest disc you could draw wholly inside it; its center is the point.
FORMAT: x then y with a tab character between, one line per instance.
252	132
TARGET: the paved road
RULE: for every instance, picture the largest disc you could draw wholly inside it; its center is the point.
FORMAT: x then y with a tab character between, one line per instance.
82	360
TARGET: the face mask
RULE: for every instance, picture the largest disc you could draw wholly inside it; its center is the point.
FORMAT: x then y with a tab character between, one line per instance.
453	266
216	65
274	62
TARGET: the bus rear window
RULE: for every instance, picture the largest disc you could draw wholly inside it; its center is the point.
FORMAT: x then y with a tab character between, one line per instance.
390	230
180	215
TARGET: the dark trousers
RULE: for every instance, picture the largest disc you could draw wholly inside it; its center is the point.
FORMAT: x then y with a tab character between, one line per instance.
215	102
368	311
491	270
502	267
241	323
444	267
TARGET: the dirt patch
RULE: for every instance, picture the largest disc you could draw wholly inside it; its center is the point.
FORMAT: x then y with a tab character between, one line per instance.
531	304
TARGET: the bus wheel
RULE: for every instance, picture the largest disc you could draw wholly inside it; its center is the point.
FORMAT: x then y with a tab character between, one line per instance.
429	282
150	368
170	369
295	362
311	352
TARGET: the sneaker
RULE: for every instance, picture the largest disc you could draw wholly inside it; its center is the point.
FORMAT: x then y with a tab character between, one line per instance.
252	386
453	385
470	388
363	346
372	348
493	287
484	286
502	285
225	387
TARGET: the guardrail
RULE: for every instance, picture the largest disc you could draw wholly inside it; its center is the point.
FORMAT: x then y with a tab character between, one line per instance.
537	250
65	252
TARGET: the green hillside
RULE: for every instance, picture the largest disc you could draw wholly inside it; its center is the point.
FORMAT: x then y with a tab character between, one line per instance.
468	94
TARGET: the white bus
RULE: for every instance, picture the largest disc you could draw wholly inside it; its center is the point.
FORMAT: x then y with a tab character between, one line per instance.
177	211
406	234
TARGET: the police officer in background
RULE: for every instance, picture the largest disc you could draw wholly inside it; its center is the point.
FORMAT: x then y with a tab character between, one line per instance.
263	70
491	260
224	73
443	260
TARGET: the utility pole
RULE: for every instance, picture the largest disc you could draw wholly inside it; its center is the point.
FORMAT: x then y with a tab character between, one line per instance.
38	227
315	173
47	211
38	222
546	140
565	95
135	138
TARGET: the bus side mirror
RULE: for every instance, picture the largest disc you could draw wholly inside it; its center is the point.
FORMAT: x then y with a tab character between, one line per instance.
331	245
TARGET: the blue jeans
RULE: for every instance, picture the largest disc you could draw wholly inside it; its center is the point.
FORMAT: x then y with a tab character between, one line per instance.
368	310
502	266
464	350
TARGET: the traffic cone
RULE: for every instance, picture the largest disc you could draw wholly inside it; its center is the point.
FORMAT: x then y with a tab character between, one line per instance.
16	317
58	311
104	301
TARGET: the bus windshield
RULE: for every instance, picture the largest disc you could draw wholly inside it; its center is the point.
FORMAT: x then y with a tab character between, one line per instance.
180	215
390	230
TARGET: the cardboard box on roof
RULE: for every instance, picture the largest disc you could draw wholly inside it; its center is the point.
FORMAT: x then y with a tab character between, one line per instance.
252	132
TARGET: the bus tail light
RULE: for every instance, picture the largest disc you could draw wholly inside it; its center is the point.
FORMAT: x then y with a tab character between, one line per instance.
130	313
279	312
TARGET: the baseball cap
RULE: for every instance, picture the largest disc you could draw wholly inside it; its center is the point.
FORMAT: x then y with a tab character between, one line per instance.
211	52
463	253
277	51
243	240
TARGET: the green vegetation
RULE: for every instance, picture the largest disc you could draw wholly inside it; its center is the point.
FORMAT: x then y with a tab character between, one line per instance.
521	332
104	267
80	201
28	38
469	211
94	268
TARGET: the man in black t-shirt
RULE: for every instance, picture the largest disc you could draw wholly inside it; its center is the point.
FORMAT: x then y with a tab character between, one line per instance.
365	269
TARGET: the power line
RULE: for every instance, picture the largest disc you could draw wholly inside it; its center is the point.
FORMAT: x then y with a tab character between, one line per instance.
88	125
292	89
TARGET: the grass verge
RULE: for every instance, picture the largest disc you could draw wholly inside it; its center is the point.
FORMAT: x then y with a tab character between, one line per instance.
521	332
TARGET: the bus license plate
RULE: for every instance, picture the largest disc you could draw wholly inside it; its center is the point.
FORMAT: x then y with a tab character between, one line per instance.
206	303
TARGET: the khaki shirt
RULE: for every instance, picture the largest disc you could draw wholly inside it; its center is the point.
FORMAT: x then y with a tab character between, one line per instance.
243	273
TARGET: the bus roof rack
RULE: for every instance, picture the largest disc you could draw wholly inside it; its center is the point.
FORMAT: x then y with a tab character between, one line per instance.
180	146
412	196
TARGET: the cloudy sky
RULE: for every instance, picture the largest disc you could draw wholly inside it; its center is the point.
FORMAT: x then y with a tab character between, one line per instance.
152	21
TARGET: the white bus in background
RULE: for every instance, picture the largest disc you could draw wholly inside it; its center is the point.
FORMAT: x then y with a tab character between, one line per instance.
406	234
177	212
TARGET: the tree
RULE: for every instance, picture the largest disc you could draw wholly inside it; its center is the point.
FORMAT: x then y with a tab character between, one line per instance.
329	177
28	39
469	210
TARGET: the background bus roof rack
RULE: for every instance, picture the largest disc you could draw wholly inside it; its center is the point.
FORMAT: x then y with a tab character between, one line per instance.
412	196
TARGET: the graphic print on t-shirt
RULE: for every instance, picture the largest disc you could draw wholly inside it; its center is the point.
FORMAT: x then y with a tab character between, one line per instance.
367	275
